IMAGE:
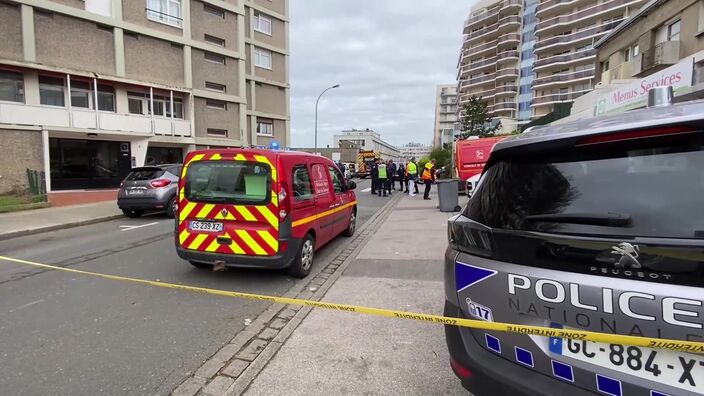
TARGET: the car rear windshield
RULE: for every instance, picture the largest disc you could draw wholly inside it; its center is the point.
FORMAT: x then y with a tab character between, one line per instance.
233	182
651	189
145	174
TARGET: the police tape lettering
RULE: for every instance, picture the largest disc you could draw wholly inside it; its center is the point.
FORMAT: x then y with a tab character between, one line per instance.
675	345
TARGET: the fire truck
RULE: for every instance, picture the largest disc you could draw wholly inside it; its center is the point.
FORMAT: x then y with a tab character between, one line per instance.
470	157
364	160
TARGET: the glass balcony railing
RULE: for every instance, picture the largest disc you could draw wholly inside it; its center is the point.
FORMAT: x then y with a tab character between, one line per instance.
477	49
506	4
475	20
508	39
588	12
574	37
502	106
565	58
563	97
507	73
482	32
506	89
564	77
507	55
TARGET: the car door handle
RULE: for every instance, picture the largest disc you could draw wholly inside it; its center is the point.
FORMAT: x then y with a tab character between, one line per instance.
334	206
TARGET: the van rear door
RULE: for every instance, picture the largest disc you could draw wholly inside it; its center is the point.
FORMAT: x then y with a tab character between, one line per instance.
324	204
228	204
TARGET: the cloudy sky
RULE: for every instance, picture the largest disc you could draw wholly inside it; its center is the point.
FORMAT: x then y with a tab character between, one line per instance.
387	55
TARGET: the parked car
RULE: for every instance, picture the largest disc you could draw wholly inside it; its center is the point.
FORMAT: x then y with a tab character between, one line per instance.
149	188
261	209
565	230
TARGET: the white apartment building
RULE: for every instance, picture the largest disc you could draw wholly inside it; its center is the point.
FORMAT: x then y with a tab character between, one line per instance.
445	114
417	150
367	139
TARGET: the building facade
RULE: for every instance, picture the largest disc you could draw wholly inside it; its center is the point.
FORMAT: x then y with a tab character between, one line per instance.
414	150
91	88
367	139
490	57
445	114
526	56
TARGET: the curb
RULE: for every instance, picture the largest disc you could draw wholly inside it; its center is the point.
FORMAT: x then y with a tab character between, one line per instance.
231	369
55	227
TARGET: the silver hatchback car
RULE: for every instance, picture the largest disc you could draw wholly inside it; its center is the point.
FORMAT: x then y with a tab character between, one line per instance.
150	188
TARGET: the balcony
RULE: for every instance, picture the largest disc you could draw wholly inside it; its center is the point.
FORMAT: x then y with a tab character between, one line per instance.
574	38
564	78
477	20
548	8
556	98
565	60
623	71
508	40
475	82
477	66
504	74
511	6
591	12
507	56
506	90
657	58
509	24
62	117
477	50
484	33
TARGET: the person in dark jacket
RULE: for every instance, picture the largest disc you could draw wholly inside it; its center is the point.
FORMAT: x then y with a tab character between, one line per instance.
391	167
401	172
374	173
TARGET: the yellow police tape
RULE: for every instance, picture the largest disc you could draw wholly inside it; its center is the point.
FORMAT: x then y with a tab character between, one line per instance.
675	345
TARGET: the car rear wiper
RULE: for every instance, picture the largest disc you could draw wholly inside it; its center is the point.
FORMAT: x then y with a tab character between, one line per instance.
597	219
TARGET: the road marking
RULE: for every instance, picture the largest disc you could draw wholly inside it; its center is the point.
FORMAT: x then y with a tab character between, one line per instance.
26	305
129	227
367	189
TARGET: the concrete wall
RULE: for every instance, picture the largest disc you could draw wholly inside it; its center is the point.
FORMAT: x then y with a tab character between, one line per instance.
203	22
203	70
270	99
11	32
135	11
153	60
274	5
69	42
22	150
278	69
206	117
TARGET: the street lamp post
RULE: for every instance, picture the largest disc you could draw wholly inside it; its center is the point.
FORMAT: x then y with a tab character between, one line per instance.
316	113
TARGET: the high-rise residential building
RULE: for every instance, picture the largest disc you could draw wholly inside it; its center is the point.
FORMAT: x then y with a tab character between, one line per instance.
91	88
445	114
524	57
565	56
490	59
414	150
367	139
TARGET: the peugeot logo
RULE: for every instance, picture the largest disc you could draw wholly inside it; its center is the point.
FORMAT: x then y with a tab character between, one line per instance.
629	255
223	212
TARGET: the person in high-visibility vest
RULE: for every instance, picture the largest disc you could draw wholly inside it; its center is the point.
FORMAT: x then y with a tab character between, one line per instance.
428	177
383	178
411	175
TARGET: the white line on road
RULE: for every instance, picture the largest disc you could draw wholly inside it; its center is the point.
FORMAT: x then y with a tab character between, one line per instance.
367	189
26	305
128	227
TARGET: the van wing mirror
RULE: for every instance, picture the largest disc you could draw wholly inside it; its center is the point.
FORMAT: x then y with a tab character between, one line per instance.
351	185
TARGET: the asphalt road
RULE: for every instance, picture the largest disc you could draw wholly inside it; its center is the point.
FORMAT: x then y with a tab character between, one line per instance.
74	335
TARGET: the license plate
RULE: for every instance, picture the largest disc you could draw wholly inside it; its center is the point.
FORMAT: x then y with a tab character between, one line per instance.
135	192
206	226
681	370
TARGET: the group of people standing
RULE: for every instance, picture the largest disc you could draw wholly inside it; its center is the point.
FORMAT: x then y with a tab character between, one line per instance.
385	174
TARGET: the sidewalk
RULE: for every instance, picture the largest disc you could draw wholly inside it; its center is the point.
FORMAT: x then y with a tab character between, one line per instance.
332	352
41	220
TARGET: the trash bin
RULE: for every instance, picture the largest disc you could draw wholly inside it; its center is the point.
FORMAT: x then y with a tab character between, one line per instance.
447	195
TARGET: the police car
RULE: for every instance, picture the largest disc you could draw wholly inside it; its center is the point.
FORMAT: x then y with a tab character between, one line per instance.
593	225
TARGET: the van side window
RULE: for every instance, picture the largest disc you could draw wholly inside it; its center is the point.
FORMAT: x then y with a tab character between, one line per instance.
302	189
336	177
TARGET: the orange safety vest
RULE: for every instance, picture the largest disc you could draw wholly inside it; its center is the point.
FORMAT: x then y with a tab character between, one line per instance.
428	172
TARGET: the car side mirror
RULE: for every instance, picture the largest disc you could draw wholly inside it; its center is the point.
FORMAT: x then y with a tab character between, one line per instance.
351	185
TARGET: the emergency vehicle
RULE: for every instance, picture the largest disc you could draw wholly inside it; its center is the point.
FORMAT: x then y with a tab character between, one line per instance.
470	157
364	160
261	209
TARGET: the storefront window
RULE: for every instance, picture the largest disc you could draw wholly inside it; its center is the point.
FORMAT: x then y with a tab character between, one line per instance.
164	155
88	164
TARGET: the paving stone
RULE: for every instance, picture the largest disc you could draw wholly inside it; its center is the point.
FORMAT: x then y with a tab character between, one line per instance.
235	368
278	324
226	353
268	334
190	387
209	368
252	350
306	295
287	313
218	386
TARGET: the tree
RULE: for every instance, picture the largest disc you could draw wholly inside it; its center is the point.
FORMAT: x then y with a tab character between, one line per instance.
475	121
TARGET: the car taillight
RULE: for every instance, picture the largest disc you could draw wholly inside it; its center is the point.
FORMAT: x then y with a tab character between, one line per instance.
283	202
460	370
639	134
158	183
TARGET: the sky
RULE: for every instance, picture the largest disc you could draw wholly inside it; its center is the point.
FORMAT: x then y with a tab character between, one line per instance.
388	57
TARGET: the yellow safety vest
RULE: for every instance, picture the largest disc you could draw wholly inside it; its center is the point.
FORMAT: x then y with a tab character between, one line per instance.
428	172
412	168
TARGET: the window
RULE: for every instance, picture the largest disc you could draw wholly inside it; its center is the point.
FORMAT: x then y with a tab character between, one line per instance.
81	94
673	30
216	104
214	11
262	58
106	98
635	50
138	103
214	40
51	91
215	87
11	86
265	127
337	180
228	182
215	58
217	132
178	108
582	87
604	65
165	11
627	55
302	189
262	23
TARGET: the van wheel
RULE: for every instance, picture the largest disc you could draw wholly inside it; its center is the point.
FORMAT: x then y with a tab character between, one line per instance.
172	207
201	265
352	226
132	213
302	264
